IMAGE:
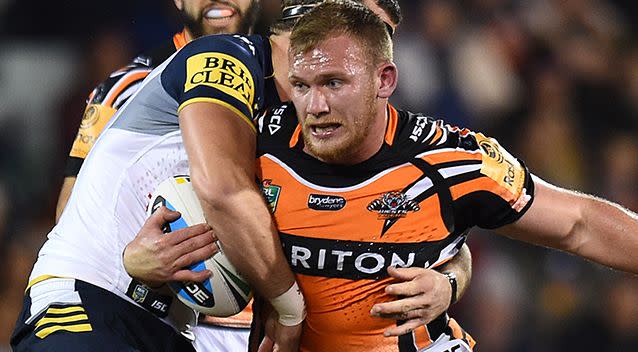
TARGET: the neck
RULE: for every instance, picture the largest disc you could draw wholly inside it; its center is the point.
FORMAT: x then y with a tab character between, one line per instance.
188	35
375	139
280	44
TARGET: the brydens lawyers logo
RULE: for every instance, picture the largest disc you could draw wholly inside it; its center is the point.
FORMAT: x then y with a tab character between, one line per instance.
271	192
393	205
326	202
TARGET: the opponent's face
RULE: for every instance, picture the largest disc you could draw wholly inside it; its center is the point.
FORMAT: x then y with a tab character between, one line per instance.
334	89
204	17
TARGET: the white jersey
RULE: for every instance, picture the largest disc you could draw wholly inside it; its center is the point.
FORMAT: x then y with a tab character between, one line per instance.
141	147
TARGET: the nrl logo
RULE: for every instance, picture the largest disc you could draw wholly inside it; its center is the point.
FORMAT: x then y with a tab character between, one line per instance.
393	205
271	192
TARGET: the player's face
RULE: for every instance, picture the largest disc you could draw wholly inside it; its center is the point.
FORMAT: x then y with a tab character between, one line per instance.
203	17
334	92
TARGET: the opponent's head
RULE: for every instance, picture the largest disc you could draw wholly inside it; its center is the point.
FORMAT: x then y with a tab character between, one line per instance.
341	73
204	17
291	10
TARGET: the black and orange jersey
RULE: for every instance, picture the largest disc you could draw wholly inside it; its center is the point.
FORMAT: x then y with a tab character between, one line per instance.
411	204
110	94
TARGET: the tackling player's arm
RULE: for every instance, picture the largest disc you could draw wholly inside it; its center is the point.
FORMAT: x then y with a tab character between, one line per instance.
581	224
216	82
221	149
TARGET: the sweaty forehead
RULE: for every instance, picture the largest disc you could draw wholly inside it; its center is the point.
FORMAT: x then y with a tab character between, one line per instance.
338	54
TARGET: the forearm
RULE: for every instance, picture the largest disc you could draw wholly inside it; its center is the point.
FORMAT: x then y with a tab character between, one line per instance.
581	224
606	233
246	230
461	266
222	167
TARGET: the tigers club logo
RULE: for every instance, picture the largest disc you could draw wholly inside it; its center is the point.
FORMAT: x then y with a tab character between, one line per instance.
393	205
90	117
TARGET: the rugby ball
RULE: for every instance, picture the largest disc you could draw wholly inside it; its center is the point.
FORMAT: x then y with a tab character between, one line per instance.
226	292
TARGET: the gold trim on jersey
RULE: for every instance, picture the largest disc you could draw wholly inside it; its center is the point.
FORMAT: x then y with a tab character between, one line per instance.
39	279
219	102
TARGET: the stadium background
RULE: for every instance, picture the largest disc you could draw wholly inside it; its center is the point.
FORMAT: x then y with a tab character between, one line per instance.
555	81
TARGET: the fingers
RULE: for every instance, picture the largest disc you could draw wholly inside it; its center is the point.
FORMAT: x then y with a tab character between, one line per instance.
404	328
404	274
178	236
188	258
194	243
189	275
409	288
398	309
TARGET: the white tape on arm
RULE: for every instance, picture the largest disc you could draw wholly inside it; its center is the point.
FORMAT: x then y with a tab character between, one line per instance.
291	306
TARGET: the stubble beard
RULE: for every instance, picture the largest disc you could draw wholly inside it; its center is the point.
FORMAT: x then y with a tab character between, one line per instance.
195	24
344	150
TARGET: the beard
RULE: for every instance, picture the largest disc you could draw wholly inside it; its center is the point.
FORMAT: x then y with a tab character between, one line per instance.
195	22
344	150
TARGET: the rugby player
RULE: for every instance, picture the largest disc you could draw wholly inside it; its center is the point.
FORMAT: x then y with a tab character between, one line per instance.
79	293
199	17
393	188
147	263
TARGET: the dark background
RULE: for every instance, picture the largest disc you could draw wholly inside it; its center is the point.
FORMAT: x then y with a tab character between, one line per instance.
555	81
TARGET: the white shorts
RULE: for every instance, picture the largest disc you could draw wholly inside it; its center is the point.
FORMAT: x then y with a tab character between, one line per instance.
220	339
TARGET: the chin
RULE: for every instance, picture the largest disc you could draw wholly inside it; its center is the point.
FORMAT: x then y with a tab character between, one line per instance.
330	154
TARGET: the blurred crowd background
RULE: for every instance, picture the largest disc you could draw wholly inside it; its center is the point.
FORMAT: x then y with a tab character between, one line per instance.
555	81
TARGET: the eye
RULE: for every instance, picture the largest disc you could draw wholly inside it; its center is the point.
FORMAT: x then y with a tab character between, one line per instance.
334	84
299	86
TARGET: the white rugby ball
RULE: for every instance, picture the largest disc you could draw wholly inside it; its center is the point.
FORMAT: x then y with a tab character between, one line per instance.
226	292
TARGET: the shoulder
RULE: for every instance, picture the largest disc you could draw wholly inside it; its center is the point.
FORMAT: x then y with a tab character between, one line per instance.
121	84
241	47
417	133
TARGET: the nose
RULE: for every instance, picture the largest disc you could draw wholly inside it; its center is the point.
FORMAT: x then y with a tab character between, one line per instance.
317	104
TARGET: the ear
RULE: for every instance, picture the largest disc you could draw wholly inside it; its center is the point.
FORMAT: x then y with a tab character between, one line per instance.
179	4
388	75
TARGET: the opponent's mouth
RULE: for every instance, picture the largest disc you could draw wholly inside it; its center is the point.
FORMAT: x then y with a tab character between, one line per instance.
219	12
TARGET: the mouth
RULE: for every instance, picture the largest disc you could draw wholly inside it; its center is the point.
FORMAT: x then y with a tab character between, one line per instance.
220	12
324	130
217	13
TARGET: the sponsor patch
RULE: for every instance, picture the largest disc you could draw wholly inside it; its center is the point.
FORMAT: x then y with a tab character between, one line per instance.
139	293
271	192
357	260
326	202
501	166
393	205
93	121
223	72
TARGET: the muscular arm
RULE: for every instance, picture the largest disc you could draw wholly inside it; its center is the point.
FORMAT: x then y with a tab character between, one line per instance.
461	266
221	151
584	225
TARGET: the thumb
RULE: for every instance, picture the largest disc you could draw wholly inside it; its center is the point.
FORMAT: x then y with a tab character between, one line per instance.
162	216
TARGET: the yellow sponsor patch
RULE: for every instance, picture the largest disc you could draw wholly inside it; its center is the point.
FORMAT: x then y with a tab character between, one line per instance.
223	72
93	122
501	166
